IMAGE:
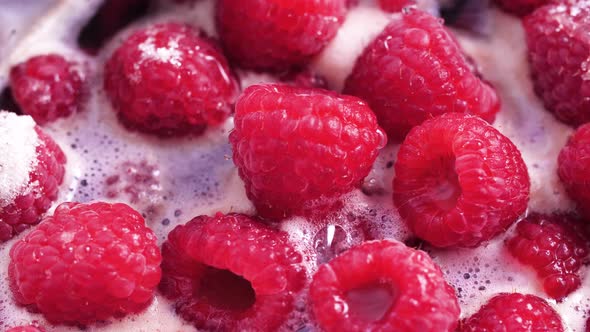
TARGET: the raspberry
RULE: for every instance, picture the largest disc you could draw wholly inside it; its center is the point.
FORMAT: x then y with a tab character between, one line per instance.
559	44
458	181
168	80
29	328
395	5
41	187
415	70
555	247
299	149
521	7
231	273
86	263
383	286
274	34
47	87
574	168
514	313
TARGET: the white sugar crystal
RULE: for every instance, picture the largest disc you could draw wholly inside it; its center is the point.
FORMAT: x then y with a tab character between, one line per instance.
18	142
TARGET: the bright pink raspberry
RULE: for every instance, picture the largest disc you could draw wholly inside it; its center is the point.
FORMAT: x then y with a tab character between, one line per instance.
414	70
26	207
299	149
458	181
395	5
168	80
231	273
514	312
86	263
29	328
555	246
47	87
521	7
559	44
574	168
277	34
383	286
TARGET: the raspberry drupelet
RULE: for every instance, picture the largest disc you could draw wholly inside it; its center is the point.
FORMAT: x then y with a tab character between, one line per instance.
556	246
231	273
574	168
169	80
299	149
33	168
86	263
276	34
414	70
514	312
458	181
47	87
558	45
383	286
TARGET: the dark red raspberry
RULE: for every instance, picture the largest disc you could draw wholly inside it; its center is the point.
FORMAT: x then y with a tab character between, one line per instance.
29	328
514	313
86	263
299	149
414	70
574	168
458	181
521	7
275	34
559	44
47	87
383	286
395	5
41	190
168	80
555	246
231	273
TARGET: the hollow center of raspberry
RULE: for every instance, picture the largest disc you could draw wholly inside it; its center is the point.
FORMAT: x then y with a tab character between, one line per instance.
226	290
370	303
444	188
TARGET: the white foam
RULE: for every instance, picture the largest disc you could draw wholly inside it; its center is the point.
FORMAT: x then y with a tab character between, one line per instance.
18	144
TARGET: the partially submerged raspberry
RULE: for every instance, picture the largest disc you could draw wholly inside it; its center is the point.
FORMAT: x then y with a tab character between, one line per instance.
521	7
458	181
556	246
299	149
168	80
383	286
414	70
514	312
231	273
274	34
86	263
574	168
395	5
33	168
47	87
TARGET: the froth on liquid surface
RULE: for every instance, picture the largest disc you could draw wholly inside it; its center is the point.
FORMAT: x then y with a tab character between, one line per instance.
193	176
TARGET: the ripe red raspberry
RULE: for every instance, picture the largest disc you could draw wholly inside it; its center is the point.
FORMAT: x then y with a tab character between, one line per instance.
395	5
458	181
383	286
86	263
414	70
559	44
231	273
574	168
521	7
168	80
47	87
275	34
29	328
24	207
514	313
554	245
299	149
